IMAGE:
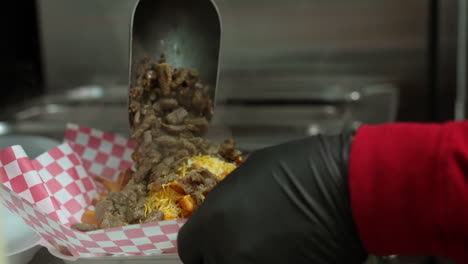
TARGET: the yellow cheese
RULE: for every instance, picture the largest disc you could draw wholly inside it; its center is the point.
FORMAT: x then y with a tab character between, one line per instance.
165	199
214	165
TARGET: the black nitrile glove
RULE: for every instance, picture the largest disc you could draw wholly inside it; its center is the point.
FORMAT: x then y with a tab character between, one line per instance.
286	204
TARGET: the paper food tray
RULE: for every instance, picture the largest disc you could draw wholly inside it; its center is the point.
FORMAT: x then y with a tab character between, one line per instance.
51	192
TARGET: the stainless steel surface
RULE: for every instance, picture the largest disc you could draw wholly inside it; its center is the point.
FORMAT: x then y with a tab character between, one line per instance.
276	47
188	33
253	126
269	48
462	45
444	75
52	124
32	145
44	257
84	42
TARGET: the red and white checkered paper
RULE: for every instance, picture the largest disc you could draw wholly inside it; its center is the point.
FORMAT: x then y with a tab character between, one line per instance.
51	192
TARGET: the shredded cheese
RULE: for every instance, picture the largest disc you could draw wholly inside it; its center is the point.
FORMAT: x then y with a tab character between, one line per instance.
214	165
166	199
182	170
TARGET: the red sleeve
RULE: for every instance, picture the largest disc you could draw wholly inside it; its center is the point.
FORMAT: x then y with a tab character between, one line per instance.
409	189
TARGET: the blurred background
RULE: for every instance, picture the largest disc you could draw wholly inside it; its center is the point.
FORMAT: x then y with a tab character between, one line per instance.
288	68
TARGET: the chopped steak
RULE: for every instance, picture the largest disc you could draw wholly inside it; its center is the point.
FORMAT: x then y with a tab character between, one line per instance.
126	206
143	171
174	129
228	146
179	77
102	207
164	73
170	112
169	160
154	155
200	101
166	141
158	171
154	216
210	148
181	154
185	96
136	92
110	220
151	75
228	150
147	137
168	104
198	125
136	209
177	116
197	141
189	146
145	124
197	182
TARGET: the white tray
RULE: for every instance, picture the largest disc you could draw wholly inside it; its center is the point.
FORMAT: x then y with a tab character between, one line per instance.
150	259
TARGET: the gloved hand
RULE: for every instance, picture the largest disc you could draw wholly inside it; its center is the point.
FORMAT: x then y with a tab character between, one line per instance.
286	204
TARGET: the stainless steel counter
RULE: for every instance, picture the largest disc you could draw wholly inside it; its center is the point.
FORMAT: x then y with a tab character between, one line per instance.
44	257
254	124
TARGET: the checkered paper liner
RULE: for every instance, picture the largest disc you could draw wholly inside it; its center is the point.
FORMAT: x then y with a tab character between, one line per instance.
52	192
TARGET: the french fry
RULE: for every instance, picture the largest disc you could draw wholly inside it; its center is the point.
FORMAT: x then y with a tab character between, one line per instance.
176	187
187	204
124	178
222	176
110	186
238	161
95	201
89	217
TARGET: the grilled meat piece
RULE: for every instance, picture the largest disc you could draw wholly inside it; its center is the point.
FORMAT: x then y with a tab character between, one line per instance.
168	104
169	112
154	216
177	116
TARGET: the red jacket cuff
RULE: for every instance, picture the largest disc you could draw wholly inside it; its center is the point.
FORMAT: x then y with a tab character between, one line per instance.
409	188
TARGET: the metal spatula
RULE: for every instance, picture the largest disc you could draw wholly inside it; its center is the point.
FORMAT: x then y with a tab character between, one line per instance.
188	33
